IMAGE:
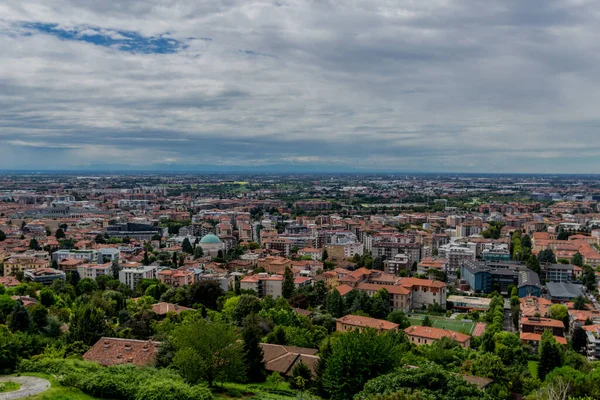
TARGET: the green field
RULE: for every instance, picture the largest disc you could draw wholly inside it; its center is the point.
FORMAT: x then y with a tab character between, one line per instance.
443	322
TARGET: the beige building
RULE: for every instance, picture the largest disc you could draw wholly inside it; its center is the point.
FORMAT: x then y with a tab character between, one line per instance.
20	263
263	284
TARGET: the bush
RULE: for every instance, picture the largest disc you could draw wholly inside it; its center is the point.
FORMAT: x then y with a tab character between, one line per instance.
121	382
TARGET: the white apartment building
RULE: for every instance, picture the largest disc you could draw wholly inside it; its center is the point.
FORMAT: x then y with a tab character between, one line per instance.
131	276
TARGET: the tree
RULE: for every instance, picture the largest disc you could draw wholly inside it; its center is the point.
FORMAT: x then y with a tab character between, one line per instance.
246	305
378	263
533	264
558	312
33	244
356	357
198	252
547	256
146	259
577	259
325	256
46	297
88	324
86	286
2	236
588	278
427	321
288	283
335	304
19	320
187	247
380	304
60	234
252	334
274	380
174	259
208	350
398	317
115	269
579	339
205	293
301	377
551	354
39	317
579	303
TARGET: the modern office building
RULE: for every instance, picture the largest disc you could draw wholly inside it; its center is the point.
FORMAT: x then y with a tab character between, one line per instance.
486	278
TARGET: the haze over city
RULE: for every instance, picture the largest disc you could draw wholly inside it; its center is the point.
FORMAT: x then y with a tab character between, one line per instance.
462	86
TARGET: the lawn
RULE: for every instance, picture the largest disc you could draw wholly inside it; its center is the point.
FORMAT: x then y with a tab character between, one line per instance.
260	390
443	322
9	387
533	368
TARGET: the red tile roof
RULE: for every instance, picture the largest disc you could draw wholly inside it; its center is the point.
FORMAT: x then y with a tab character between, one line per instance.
114	351
366	322
435	333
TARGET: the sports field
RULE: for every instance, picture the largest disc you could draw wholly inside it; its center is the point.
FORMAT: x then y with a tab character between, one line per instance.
443	322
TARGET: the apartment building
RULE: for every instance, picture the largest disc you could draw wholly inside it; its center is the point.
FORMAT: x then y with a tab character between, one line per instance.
263	284
92	271
130	276
175	278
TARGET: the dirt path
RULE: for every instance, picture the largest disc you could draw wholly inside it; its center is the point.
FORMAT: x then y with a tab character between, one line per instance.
30	386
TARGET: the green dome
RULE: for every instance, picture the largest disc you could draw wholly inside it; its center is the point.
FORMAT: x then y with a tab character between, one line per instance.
210	238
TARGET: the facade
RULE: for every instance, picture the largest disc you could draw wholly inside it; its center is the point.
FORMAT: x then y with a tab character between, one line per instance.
263	284
467	303
131	276
395	265
558	272
17	264
345	250
425	292
456	256
388	250
175	278
421	335
488	277
400	297
539	325
92	271
313	253
496	254
351	322
83	255
45	276
593	342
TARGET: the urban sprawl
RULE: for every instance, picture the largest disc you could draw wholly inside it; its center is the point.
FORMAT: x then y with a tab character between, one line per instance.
418	286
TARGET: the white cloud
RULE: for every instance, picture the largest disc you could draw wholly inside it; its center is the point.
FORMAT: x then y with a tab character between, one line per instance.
439	85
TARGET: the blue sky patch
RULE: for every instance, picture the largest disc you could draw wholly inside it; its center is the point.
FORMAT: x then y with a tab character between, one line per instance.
128	41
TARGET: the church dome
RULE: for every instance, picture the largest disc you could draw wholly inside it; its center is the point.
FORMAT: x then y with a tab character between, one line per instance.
210	239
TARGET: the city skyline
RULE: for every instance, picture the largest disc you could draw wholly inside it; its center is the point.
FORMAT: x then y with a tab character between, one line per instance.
446	86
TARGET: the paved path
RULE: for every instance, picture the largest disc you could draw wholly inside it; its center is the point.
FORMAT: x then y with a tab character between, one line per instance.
478	330
30	386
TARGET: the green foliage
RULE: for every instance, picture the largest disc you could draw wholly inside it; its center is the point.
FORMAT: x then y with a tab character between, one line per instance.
19	319
588	278
288	283
356	358
125	382
579	303
335	304
251	335
430	380
398	317
550	353
427	321
208	350
579	339
547	256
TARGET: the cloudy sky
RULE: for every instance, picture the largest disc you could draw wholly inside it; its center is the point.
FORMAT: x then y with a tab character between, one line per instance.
396	85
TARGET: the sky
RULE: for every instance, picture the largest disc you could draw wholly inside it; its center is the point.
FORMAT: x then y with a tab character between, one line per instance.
379	85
